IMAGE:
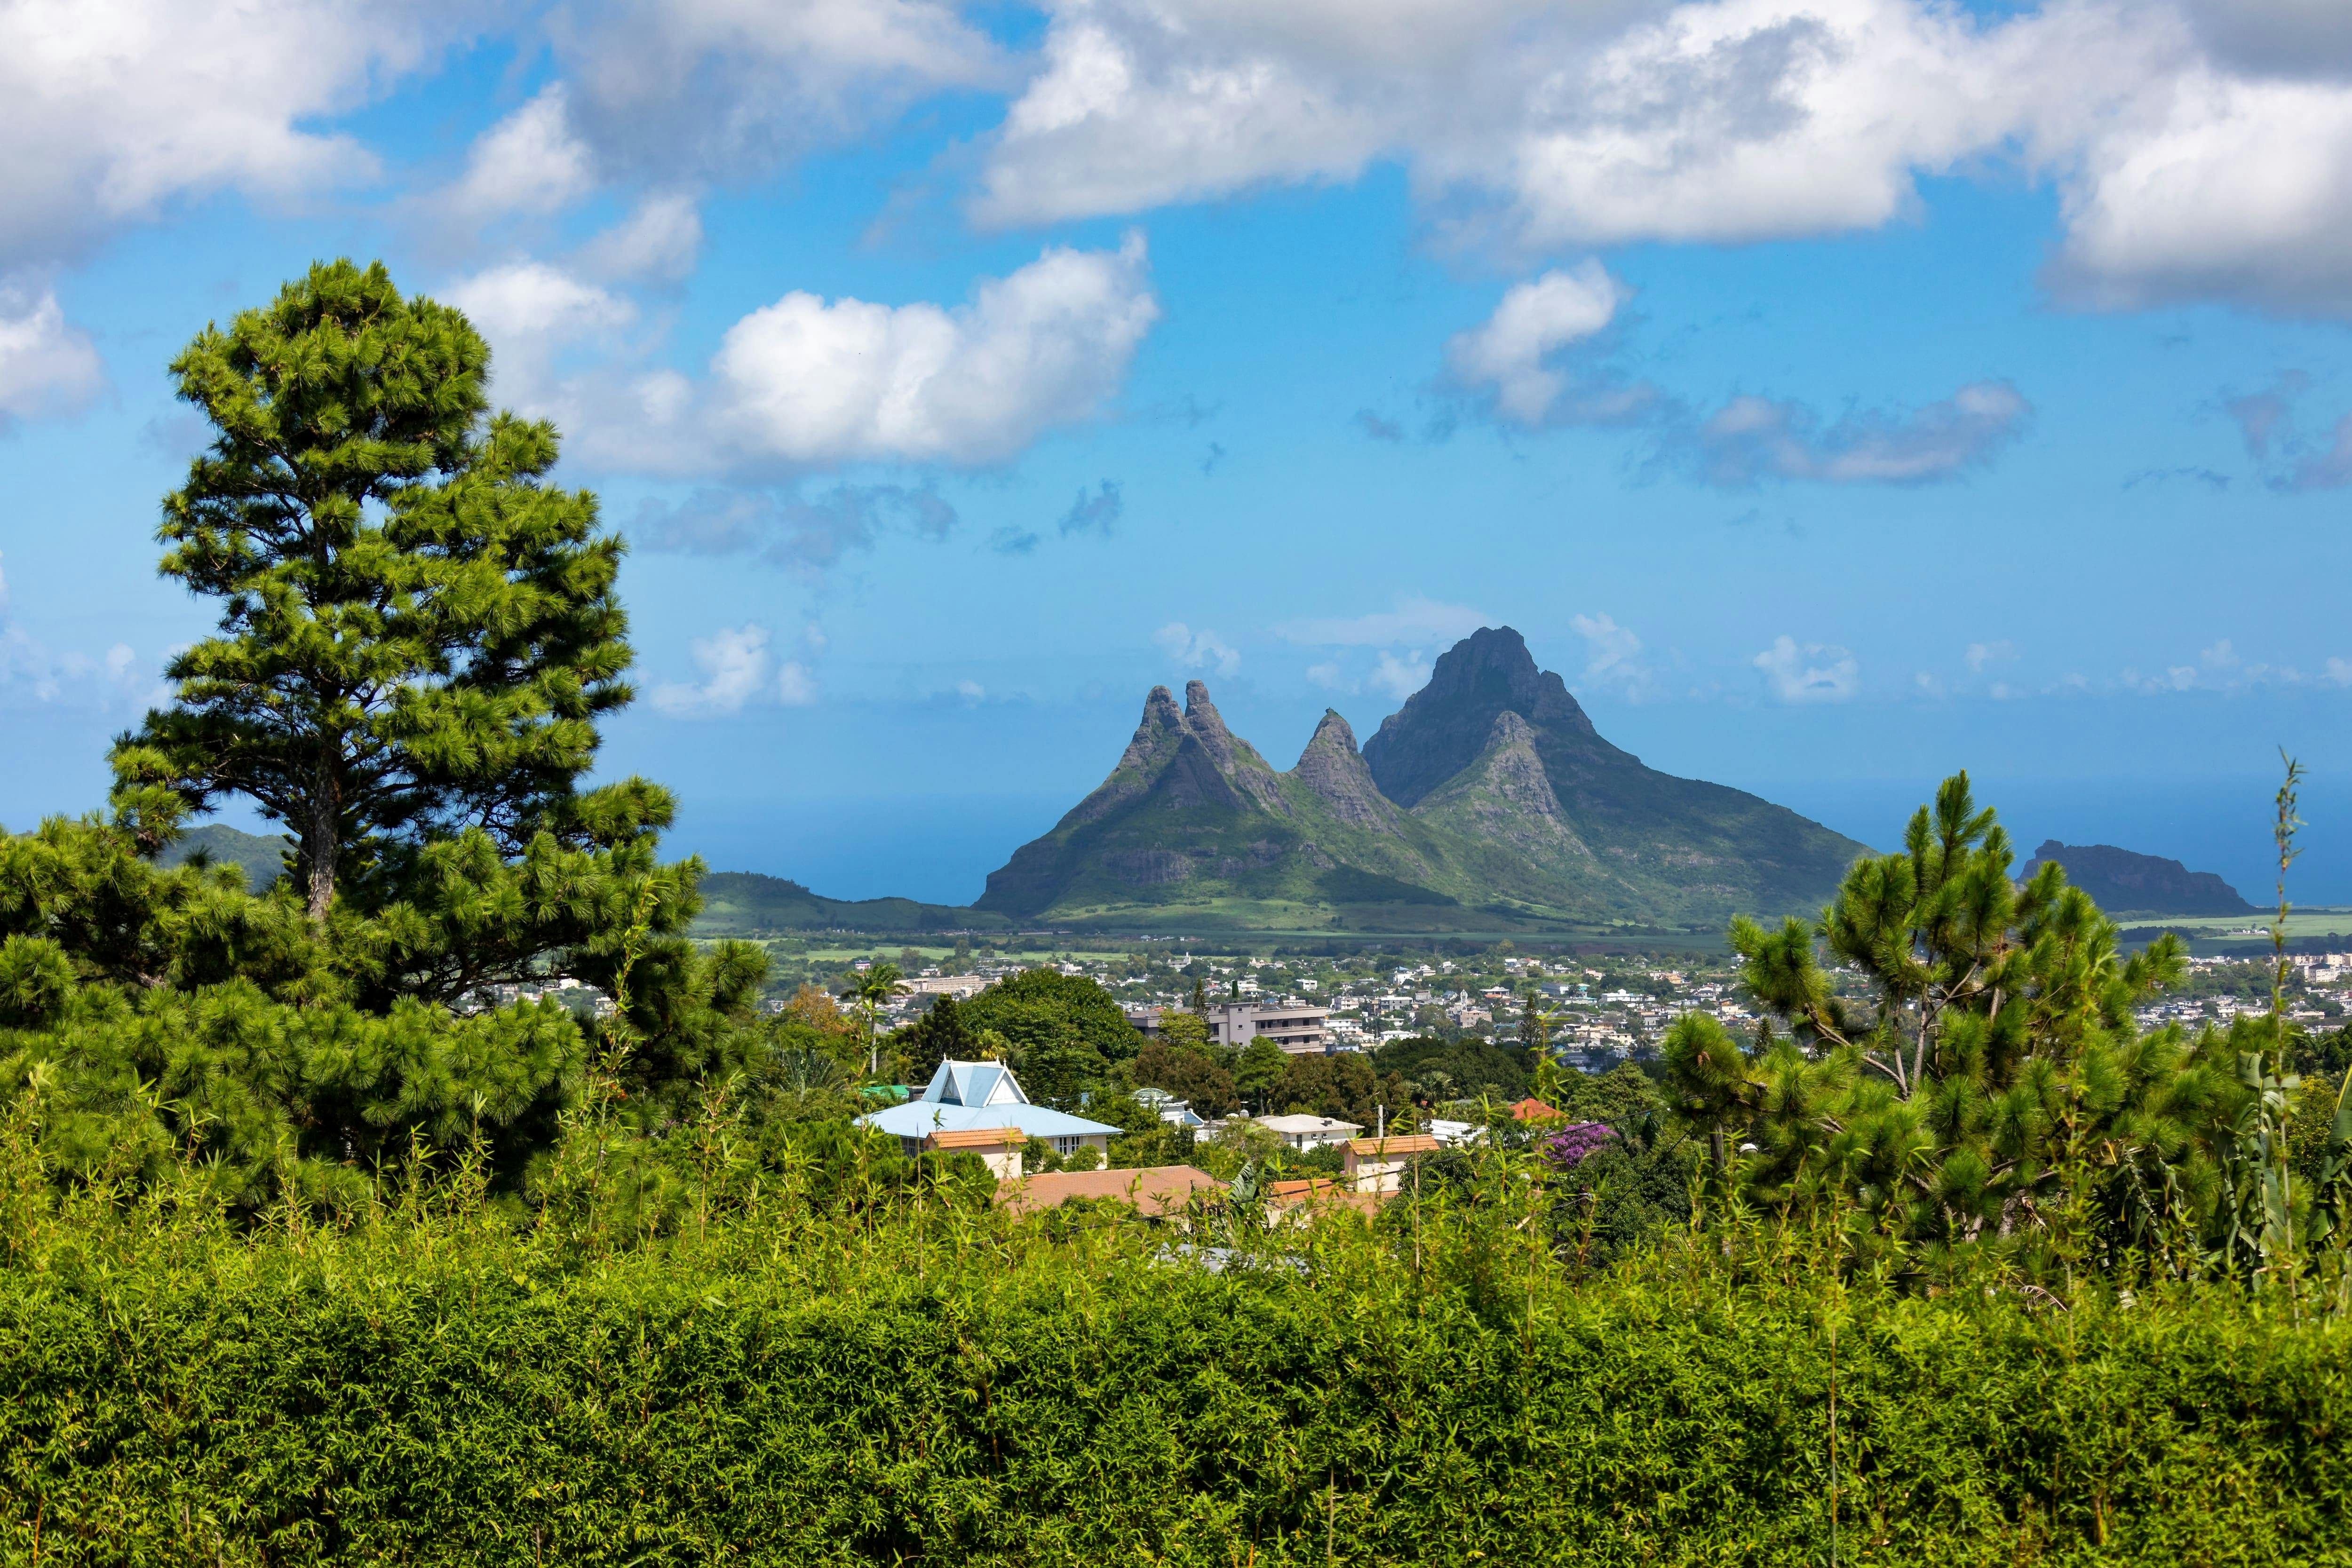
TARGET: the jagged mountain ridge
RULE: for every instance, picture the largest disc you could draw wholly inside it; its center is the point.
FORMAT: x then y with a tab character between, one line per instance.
1490	790
1193	812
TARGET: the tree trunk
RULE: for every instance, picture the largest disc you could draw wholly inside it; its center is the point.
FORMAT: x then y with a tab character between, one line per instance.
319	836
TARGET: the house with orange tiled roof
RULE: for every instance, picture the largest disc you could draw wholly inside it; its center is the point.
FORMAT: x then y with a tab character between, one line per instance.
1378	1164
998	1148
1301	1199
1534	1109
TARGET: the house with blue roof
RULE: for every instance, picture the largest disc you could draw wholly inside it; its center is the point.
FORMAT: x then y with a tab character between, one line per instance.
968	1096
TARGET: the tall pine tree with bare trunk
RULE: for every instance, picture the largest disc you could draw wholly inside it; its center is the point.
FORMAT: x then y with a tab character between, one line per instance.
417	631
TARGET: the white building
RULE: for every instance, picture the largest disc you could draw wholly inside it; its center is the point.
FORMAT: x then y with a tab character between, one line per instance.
966	1096
1304	1132
963	987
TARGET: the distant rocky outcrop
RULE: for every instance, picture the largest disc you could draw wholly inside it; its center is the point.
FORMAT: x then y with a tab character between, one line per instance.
745	904
1489	791
2123	882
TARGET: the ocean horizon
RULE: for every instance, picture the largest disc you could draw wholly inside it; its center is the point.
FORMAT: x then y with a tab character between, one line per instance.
940	848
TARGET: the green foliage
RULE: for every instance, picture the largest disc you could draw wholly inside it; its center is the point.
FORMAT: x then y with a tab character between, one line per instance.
1064	1031
1466	1069
1192	1075
1341	1085
1993	1087
877	984
418	637
417	632
1622	1098
437	1384
303	1101
1038	1004
940	1034
1634	1190
1259	1069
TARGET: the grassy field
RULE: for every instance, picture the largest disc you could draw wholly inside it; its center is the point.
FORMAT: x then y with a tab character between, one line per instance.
2328	927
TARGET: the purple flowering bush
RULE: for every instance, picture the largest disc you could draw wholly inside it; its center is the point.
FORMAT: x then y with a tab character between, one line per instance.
1569	1147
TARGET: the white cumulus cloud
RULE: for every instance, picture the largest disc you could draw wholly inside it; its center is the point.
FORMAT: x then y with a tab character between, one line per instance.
532	313
1979	655
731	88
1753	438
1401	677
2199	148
1612	658
1535	321
1809	671
810	382
528	164
1197	650
737	671
110	111
658	241
46	366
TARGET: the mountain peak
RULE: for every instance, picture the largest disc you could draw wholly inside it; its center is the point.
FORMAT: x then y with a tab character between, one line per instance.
1201	716
1510	729
1331	767
1487	795
1158	732
1332	731
1444	726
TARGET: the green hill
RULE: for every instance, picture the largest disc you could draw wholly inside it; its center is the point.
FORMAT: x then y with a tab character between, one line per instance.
1488	801
743	903
262	855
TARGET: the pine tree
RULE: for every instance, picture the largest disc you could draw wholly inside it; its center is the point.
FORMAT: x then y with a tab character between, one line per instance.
1992	1058
418	631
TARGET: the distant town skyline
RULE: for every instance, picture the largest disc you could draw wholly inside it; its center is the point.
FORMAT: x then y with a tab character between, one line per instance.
1836	392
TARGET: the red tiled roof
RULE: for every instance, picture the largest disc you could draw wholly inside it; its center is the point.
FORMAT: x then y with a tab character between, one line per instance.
1154	1189
1389	1147
976	1139
1321	1192
1534	1109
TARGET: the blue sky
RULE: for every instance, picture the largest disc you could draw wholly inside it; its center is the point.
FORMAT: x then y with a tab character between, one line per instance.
1835	392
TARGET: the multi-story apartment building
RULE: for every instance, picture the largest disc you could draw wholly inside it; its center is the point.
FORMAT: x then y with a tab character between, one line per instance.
1298	1030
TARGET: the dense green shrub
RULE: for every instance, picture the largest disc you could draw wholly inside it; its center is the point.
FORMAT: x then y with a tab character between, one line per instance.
794	1381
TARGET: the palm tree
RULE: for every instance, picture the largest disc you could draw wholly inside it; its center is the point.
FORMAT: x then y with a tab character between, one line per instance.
878	985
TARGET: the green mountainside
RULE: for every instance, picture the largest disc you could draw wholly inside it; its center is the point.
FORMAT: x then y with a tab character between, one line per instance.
1626	838
262	855
1487	800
